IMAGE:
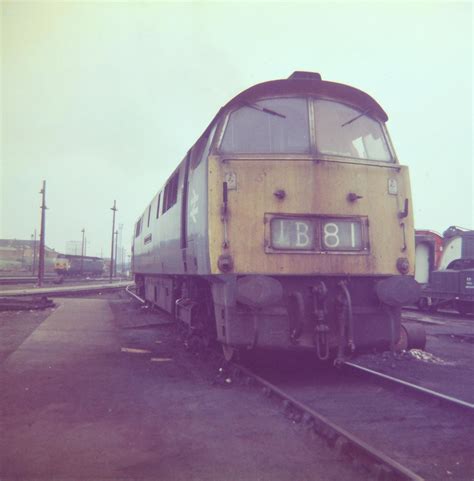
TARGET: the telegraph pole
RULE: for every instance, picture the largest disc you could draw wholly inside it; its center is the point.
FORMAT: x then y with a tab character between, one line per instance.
120	248
33	270
82	250
34	255
31	247
114	209
116	253
42	243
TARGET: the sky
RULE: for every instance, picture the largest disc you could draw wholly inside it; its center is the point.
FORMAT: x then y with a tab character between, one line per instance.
103	99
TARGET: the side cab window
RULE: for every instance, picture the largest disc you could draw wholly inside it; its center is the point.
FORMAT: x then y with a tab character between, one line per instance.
171	192
138	227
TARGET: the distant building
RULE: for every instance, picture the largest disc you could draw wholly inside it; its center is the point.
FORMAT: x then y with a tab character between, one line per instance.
17	255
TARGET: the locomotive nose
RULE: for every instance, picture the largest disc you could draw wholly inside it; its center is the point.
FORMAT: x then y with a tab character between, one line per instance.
397	291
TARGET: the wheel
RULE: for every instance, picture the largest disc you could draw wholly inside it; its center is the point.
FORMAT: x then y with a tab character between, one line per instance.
412	336
230	353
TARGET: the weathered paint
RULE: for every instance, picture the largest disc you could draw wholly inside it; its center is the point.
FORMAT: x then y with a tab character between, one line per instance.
316	188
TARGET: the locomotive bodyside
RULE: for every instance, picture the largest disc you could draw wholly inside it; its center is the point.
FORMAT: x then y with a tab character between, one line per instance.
279	240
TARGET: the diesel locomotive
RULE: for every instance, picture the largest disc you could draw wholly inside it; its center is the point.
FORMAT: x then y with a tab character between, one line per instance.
67	265
287	226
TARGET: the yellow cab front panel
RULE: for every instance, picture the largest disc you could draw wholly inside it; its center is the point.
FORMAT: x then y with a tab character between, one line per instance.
315	196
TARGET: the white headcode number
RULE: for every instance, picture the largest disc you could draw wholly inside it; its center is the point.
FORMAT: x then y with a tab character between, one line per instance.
342	235
331	238
301	234
302	238
292	234
353	244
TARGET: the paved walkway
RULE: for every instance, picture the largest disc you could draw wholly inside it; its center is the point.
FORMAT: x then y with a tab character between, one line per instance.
53	411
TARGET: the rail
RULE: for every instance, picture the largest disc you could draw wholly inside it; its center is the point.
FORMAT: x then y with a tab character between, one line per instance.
414	387
380	462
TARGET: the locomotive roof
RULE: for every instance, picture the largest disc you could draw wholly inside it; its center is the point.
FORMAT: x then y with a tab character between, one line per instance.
309	84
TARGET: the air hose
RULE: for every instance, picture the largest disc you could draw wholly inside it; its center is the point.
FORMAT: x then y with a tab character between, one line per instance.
350	320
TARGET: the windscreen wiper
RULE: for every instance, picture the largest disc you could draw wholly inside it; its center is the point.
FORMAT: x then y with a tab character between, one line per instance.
264	109
365	112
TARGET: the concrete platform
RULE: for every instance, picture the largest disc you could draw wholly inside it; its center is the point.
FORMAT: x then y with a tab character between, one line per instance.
91	396
47	407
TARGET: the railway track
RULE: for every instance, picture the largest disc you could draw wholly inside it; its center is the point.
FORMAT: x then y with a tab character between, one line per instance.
389	429
377	463
392	429
419	390
21	304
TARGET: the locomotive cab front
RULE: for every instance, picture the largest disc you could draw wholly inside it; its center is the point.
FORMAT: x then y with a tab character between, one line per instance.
310	222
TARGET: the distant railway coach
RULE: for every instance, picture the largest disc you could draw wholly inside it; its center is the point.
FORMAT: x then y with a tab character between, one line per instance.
287	225
449	282
428	251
